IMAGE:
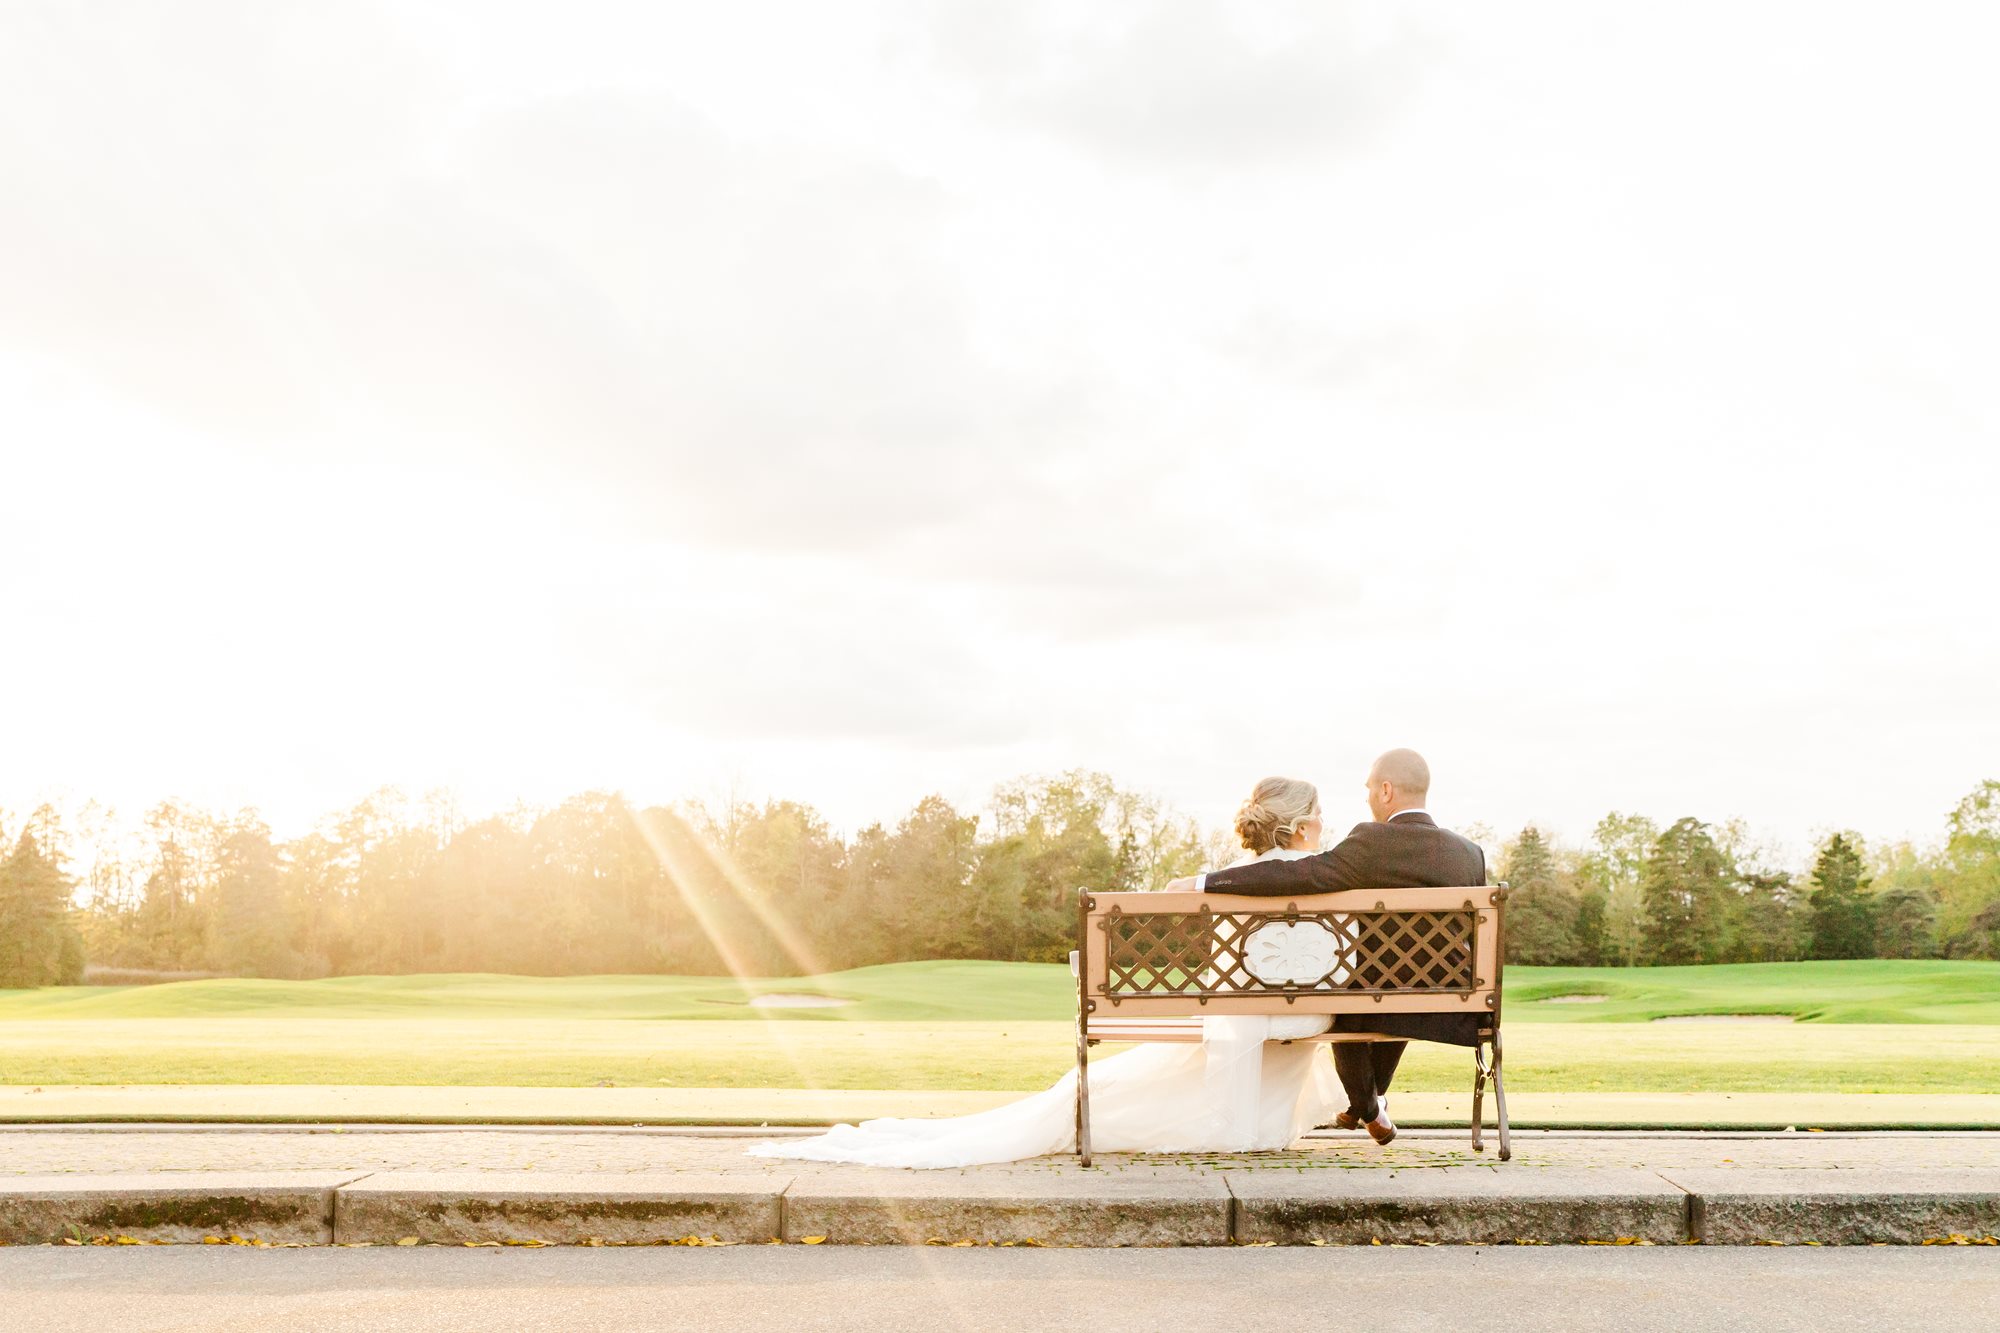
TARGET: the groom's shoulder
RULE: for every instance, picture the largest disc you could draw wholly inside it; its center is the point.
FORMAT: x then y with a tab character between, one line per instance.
1395	848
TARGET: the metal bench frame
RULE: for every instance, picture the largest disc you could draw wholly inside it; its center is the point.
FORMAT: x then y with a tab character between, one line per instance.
1149	965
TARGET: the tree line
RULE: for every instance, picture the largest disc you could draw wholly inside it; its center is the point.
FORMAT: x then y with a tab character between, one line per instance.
399	885
1638	894
594	885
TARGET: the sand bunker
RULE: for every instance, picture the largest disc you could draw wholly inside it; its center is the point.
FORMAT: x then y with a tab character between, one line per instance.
1725	1018
784	1000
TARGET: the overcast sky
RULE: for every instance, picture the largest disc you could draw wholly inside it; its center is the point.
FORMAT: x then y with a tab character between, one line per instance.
854	401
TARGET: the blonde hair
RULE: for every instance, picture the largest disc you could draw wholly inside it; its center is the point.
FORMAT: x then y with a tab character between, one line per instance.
1276	808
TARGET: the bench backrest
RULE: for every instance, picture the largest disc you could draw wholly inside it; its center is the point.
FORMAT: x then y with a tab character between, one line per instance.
1384	951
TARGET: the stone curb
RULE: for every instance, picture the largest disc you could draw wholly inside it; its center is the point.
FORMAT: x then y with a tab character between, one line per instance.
1839	1207
278	1208
920	1208
458	1208
1476	1205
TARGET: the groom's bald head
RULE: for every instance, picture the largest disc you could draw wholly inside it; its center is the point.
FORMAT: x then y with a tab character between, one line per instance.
1399	780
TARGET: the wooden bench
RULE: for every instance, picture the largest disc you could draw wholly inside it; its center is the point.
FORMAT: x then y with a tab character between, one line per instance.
1149	966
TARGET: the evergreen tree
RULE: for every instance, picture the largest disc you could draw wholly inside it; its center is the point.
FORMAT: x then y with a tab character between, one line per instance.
37	947
1684	888
1541	906
1843	913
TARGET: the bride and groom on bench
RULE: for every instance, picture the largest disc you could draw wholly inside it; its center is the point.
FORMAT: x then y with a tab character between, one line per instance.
1271	980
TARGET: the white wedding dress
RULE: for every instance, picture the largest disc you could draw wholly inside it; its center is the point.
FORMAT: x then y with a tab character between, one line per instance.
1231	1093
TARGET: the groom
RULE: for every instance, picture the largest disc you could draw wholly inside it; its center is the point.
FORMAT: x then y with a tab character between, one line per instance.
1403	849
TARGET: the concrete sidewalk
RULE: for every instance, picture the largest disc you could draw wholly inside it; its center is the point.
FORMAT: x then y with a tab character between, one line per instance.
526	1185
287	1103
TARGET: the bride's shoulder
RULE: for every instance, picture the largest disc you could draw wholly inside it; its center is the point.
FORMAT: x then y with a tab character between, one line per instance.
1275	854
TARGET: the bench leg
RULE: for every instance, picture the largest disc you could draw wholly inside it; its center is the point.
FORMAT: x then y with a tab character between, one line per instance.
1500	1101
1082	1094
1478	1097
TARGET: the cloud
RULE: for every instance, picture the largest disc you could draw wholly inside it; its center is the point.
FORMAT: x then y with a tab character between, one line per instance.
741	341
1192	83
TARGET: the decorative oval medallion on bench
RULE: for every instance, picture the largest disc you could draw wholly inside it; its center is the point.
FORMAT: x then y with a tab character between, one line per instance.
1295	953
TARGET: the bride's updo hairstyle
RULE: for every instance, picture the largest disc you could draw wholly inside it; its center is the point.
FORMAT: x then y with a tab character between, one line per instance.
1276	808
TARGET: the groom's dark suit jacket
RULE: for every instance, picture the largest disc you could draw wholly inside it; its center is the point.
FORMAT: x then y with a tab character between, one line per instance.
1408	851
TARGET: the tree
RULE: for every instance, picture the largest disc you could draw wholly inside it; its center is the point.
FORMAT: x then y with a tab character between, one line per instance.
932	899
1969	874
38	945
250	928
1592	941
1615	862
1843	914
785	866
1065	832
1767	923
1541	907
172	918
1981	936
1684	890
1905	923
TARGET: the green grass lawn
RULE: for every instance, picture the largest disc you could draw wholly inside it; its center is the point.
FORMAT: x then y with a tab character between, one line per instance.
939	992
1864	1027
1860	991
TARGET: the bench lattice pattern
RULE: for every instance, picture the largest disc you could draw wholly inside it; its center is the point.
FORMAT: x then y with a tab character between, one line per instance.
1201	954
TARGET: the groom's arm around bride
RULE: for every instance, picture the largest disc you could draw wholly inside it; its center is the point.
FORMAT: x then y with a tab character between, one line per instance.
1402	848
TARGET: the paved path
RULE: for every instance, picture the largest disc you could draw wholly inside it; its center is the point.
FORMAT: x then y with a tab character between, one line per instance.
1381	1290
52	1150
804	1106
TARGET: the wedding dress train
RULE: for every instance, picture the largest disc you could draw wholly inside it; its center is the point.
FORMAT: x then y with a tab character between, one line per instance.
1230	1093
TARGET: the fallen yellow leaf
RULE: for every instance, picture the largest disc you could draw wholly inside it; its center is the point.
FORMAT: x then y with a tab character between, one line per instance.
407	1240
807	1240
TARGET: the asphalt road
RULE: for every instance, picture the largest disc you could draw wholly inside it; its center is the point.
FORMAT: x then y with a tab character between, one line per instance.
1377	1290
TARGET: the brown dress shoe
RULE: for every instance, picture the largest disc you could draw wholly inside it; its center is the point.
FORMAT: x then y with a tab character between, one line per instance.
1347	1120
1382	1129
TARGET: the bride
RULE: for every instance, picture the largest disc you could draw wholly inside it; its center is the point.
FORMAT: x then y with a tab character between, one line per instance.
1231	1093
